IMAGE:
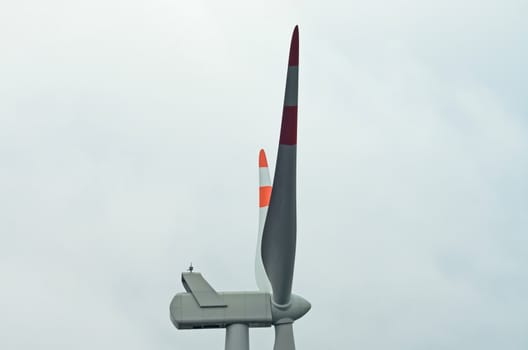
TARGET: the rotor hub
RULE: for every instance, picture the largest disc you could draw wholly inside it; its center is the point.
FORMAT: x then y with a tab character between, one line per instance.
295	309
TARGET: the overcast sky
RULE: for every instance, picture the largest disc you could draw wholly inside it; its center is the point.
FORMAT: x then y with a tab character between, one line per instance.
129	139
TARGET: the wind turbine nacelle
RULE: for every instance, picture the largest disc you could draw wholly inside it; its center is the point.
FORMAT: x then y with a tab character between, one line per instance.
251	308
203	307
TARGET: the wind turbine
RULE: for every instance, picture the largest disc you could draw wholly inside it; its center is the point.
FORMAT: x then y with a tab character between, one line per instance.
274	305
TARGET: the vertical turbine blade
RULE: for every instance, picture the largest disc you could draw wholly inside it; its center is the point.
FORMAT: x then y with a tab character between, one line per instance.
264	198
279	236
284	337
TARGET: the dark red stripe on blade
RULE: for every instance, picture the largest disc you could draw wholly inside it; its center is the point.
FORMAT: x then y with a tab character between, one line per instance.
294	48
288	134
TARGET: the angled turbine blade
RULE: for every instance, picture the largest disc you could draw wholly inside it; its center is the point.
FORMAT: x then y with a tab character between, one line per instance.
263	282
279	236
284	337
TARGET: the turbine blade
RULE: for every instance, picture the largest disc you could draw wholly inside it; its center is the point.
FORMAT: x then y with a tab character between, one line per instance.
284	337
279	236
263	282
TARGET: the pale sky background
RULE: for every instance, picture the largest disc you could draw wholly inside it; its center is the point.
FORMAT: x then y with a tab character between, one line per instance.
129	136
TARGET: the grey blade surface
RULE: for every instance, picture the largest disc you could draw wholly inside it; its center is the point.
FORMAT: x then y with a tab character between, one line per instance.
284	337
279	235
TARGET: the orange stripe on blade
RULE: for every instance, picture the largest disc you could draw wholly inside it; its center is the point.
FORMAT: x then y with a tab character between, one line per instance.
265	195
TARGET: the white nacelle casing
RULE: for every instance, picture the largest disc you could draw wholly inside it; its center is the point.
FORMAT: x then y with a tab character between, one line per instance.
251	308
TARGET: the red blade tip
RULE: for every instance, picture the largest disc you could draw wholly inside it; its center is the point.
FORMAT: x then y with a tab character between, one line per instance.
294	48
263	162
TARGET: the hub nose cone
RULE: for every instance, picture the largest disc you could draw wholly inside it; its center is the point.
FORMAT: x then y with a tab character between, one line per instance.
296	309
304	305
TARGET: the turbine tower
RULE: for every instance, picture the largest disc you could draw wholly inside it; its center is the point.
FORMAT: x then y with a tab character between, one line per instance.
274	304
